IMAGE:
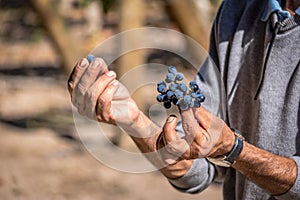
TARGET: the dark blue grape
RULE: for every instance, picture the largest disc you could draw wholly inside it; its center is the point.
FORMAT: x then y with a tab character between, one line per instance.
200	97
170	78
90	58
197	103
183	106
167	104
172	70
161	88
170	94
161	83
192	83
194	88
182	87
175	101
160	97
192	104
173	86
178	94
187	99
179	77
193	94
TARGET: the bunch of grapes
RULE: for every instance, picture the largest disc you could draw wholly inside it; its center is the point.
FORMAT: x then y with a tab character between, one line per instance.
172	90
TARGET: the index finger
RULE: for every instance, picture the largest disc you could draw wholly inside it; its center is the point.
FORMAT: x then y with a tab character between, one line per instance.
190	124
208	121
76	74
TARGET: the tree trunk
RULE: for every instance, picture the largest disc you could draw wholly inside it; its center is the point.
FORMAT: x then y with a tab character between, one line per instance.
53	23
185	13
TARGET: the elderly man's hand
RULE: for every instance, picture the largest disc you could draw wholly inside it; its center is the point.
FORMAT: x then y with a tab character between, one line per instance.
97	94
205	135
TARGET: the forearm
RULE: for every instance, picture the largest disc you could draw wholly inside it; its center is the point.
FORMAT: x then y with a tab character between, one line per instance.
274	173
143	132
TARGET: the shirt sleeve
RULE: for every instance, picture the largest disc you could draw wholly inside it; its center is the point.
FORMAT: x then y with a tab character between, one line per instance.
198	178
294	192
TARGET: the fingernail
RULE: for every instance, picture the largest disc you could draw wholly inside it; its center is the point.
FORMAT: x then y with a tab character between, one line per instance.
115	83
95	64
171	118
83	62
110	73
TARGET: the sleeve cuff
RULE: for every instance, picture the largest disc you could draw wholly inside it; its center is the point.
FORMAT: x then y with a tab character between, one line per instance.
198	178
294	192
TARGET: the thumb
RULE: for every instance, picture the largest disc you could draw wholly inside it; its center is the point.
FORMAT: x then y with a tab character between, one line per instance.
175	145
170	129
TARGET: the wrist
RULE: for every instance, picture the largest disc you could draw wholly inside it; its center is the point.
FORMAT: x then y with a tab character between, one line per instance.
227	160
143	132
225	144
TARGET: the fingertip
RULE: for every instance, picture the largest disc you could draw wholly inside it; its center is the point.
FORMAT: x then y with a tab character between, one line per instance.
114	83
111	74
186	112
171	118
83	62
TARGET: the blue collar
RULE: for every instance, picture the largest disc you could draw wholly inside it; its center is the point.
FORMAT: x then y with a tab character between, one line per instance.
274	6
298	11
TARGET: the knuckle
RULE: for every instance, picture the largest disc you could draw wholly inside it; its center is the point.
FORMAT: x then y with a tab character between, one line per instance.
90	94
187	127
80	89
100	60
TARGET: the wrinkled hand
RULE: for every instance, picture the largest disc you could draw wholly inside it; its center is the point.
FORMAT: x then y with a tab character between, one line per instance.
97	94
205	135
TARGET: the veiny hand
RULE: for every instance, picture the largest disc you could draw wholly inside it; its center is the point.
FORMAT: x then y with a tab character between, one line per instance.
97	94
205	135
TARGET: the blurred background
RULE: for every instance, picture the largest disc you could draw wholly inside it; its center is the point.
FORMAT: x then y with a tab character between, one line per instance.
40	42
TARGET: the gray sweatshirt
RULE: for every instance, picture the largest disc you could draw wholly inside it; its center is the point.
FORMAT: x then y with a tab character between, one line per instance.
252	81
